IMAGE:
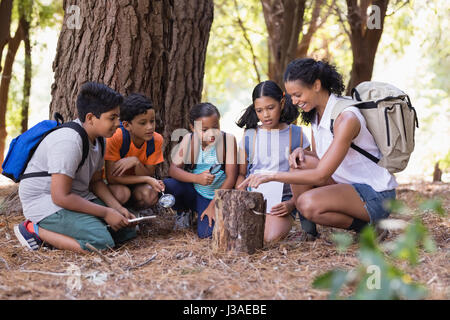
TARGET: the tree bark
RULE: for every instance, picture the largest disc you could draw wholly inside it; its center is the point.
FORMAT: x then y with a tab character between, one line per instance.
364	41
13	46
237	228
284	21
318	18
437	173
5	25
157	48
25	9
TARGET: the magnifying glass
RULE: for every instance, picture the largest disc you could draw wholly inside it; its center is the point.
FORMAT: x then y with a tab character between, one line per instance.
166	200
215	168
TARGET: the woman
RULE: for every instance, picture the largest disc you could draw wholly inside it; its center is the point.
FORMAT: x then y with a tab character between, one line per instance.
334	185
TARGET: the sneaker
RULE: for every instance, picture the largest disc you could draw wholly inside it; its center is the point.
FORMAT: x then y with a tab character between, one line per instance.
26	238
182	220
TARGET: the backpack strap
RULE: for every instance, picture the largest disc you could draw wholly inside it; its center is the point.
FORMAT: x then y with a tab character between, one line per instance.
150	147
295	137
126	141
84	138
194	149
290	138
222	157
339	107
101	140
250	138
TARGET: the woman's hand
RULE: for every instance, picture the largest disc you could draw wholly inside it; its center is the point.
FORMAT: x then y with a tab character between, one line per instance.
297	158
209	212
123	165
157	185
282	209
254	180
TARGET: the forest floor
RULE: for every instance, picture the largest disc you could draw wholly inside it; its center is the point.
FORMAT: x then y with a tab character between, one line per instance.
165	264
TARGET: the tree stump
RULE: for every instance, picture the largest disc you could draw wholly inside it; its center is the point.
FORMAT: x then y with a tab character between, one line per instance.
237	228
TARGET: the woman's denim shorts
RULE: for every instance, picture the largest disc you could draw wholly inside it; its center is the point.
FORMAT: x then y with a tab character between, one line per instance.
374	201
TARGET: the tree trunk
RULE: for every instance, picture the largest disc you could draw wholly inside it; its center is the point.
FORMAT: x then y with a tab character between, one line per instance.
437	173
157	48
284	21
13	46
25	8
237	228
364	40
5	25
303	46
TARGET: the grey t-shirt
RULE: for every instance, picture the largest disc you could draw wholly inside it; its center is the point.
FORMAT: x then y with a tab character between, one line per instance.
272	152
60	152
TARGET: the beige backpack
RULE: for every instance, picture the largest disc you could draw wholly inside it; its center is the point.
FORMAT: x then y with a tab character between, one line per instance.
390	118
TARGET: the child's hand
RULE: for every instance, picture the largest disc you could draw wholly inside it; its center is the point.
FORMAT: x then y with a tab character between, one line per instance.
127	214
205	178
157	185
297	158
115	219
282	209
209	212
123	165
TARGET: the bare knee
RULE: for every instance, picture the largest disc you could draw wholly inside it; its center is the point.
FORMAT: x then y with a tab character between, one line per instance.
145	196
276	228
121	193
307	206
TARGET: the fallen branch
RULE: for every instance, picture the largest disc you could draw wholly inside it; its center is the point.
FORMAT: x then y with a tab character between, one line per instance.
104	258
56	274
143	263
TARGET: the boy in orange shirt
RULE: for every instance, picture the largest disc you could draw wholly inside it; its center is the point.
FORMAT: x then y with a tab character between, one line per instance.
132	154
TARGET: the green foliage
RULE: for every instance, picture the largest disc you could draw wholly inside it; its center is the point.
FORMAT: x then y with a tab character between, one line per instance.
407	245
434	205
229	63
41	15
342	241
376	276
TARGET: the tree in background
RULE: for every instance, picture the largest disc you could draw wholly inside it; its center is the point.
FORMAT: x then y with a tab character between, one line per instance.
13	45
29	16
156	48
364	32
5	25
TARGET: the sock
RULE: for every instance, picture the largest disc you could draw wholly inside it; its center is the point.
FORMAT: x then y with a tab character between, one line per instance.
308	226
36	229
357	225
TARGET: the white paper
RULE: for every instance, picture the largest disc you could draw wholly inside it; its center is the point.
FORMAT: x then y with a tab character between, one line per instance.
272	192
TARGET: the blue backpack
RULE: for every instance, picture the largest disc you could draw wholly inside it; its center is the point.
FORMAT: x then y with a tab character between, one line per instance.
126	141
22	148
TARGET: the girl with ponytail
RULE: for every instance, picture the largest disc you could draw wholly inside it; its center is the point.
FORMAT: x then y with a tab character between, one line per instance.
268	140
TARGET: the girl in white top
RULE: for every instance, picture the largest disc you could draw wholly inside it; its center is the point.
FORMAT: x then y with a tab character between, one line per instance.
268	149
333	184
